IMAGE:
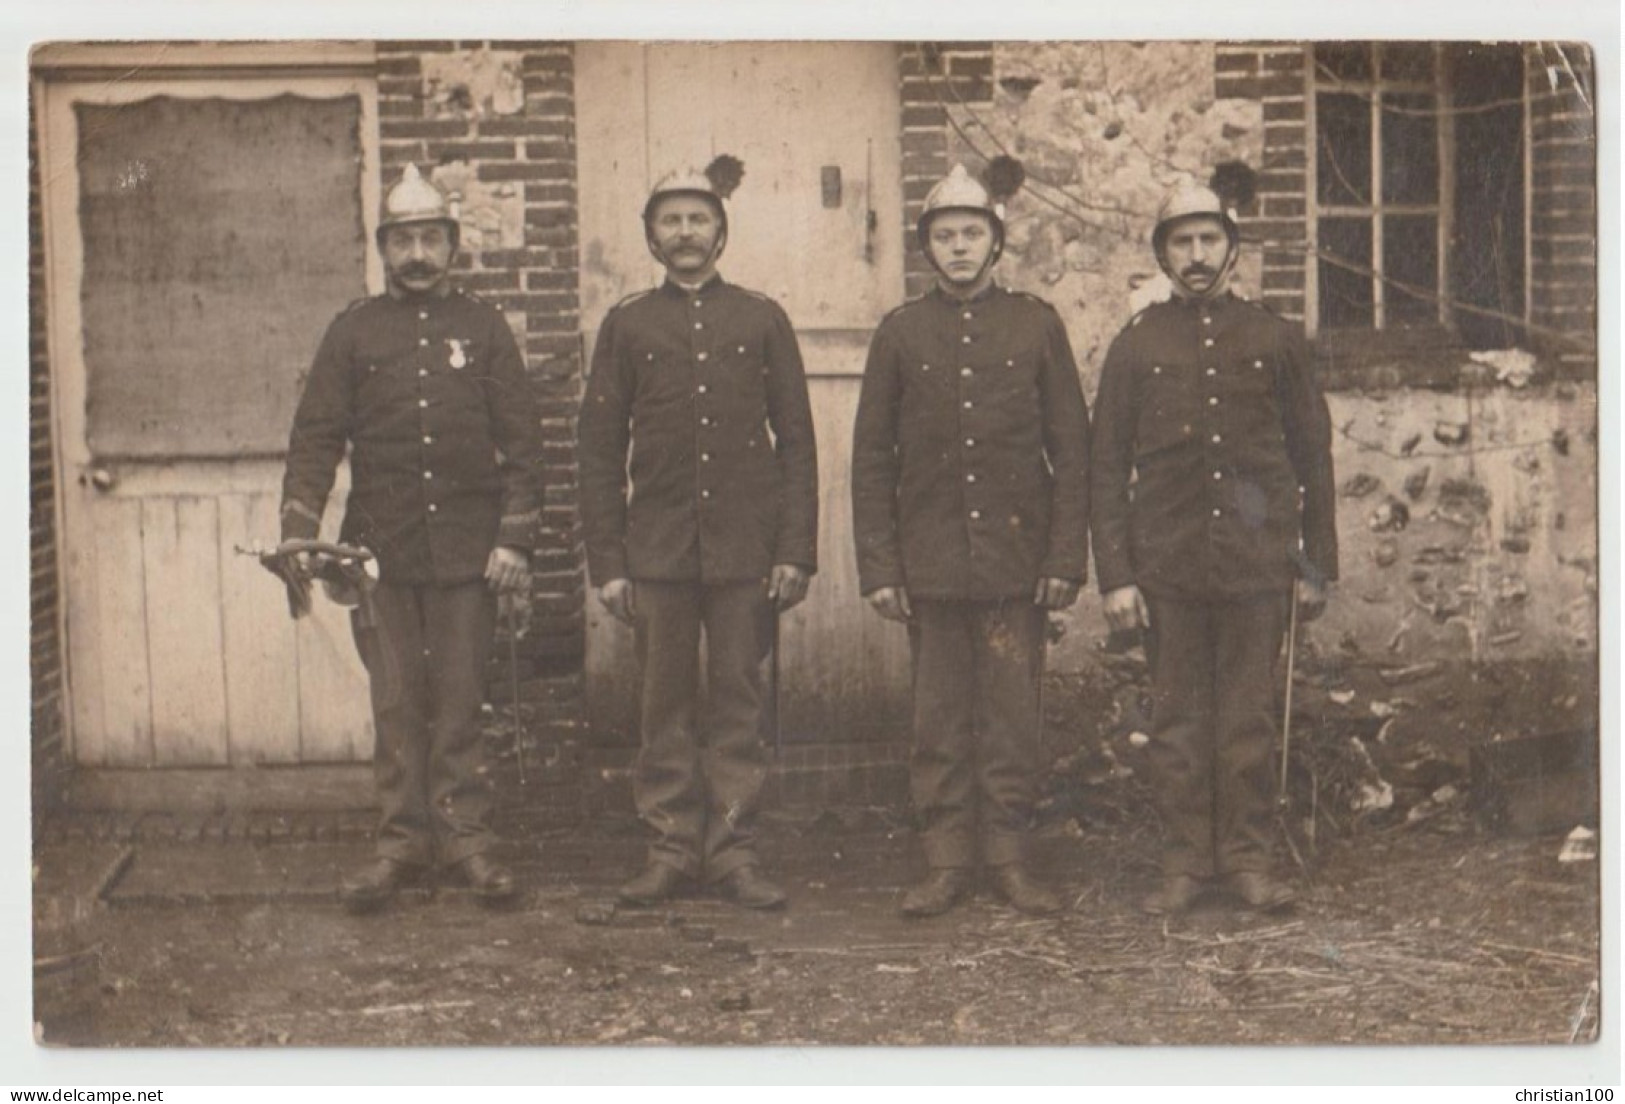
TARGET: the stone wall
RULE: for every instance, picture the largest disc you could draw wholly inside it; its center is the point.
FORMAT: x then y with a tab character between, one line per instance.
1467	511
1103	129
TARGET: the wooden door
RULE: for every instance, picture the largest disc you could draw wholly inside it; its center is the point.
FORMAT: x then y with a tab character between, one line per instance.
816	225
201	231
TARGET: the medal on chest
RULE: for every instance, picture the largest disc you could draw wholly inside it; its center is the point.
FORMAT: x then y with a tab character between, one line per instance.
458	358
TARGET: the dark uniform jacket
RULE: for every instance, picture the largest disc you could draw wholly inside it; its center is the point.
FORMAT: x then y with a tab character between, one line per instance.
1208	421
445	461
707	391
970	453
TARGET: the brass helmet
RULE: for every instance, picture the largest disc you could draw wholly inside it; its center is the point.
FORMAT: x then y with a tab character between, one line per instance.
1194	201
414	199
959	191
714	184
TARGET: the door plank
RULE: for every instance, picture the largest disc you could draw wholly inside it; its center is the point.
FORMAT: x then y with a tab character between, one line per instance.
181	548
261	656
121	590
857	689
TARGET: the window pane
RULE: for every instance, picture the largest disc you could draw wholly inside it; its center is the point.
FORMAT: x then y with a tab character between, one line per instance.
1345	294
1343	61
1410	255
1343	161
1410	148
1407	61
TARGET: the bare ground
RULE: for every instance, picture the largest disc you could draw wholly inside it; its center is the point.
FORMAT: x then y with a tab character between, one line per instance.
1411	929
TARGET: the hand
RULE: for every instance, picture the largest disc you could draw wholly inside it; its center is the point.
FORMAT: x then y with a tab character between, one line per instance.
1311	599
787	586
507	571
1055	594
892	604
619	598
1126	609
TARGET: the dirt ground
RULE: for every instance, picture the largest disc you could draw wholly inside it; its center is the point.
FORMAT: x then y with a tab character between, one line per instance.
1411	929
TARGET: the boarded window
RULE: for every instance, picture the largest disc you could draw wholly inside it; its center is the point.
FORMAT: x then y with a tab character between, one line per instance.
220	237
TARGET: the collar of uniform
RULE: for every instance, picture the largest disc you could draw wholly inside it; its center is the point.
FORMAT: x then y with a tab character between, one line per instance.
673	288
955	302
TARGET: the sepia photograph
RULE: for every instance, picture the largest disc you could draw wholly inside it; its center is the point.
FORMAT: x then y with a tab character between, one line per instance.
804	543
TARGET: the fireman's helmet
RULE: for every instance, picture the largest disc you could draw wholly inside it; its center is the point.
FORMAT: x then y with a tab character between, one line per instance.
959	191
1194	201
414	200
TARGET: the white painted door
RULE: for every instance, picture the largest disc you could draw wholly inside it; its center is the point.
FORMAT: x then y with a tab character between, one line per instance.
817	225
200	233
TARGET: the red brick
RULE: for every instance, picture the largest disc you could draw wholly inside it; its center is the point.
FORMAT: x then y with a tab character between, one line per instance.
1284	135
414	46
971	65
552	62
1284	158
490	280
472	151
550	281
515	170
400	87
1277	279
1284	61
519	126
1236	88
549	96
1282	183
397	154
1566	152
555	149
400	109
422	128
932	163
1232	62
1543	223
1283	259
548	193
1281	206
924	115
1277	230
1280	111
1554	274
399	65
925	142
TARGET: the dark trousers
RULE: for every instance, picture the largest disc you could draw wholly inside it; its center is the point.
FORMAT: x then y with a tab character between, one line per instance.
1213	680
976	757
426	657
697	785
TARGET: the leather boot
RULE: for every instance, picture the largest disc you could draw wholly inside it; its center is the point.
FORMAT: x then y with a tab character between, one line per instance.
491	882
657	882
1016	888
1177	894
1260	891
748	888
942	889
370	888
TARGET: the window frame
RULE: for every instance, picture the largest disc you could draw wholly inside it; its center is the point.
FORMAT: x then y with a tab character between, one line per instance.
1373	89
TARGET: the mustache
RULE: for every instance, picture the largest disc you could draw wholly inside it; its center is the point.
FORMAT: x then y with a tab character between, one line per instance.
1197	268
418	268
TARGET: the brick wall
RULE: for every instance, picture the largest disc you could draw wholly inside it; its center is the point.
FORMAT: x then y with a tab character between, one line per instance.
1563	196
45	642
1274	75
934	75
494	122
